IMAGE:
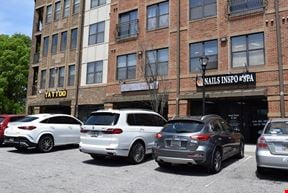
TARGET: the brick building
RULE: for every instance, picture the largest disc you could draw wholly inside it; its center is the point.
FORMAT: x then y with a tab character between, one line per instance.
245	42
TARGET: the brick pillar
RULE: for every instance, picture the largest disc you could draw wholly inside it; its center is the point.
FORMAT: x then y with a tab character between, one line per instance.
183	108
108	105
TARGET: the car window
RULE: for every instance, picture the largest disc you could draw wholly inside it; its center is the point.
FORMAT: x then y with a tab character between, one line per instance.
183	126
1	119
13	119
216	126
277	128
225	125
103	119
27	119
145	119
61	120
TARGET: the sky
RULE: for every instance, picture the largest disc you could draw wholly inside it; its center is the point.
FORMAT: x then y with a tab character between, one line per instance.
16	16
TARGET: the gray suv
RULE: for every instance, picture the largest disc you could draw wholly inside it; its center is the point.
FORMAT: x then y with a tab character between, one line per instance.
205	141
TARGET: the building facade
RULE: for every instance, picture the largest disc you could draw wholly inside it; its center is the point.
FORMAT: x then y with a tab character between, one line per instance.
132	51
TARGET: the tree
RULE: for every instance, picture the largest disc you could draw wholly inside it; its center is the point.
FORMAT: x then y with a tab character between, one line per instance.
14	66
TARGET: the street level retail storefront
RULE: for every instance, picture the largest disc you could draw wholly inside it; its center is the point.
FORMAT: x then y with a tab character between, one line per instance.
235	98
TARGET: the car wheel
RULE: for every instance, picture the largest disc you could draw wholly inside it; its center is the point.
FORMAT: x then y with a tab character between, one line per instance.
241	150
137	153
1	142
97	157
45	144
260	170
164	165
216	162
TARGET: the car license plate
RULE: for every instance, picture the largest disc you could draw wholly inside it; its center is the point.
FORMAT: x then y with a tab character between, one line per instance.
94	133
175	143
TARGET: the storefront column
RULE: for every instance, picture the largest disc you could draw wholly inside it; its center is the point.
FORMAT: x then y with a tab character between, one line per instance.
108	106
183	108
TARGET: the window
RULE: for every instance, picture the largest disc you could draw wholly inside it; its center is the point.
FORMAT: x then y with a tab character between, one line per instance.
66	10
157	62
128	24
94	72
43	79
108	119
45	46
61	120
248	50
96	33
76	6
126	67
52	76
71	75
57	13
158	16
202	8
236	6
63	41
73	42
49	14
145	119
61	76
54	43
95	3
197	50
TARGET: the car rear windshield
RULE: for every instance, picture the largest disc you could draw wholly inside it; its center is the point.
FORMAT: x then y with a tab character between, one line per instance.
183	127
277	128
27	119
103	119
1	119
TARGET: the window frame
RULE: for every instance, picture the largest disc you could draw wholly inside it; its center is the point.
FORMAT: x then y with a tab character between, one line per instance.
57	11
126	66
52	77
97	4
61	76
66	8
95	72
202	6
74	42
97	33
45	45
54	44
157	16
157	62
49	12
70	75
63	44
43	79
76	7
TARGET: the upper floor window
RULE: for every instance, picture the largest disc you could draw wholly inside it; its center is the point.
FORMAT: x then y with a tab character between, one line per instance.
57	13
71	75
63	41
49	14
43	79
95	3
45	45
128	24
236	6
126	67
66	10
73	40
202	8
61	76
76	6
200	49
157	62
52	77
54	43
158	16
248	50
96	33
94	72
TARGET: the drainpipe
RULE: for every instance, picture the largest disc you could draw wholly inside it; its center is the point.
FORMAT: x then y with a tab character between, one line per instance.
178	58
79	59
279	58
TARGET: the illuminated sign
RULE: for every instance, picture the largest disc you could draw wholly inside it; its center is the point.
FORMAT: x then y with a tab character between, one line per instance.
56	94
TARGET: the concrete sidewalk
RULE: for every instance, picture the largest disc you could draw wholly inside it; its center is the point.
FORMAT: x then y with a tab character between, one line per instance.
250	148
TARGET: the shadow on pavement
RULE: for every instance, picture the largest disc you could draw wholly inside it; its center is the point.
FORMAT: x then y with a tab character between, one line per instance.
273	175
35	150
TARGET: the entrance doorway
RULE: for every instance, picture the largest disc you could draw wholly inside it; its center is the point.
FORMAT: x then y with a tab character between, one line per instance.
56	109
248	114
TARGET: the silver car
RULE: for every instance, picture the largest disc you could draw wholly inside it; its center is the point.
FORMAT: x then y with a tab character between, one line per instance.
205	141
272	146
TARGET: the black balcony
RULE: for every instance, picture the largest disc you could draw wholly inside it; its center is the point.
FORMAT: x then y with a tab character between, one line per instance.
245	6
127	30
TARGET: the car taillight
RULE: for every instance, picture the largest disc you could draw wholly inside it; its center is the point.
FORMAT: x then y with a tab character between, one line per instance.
261	143
113	131
27	127
201	137
158	135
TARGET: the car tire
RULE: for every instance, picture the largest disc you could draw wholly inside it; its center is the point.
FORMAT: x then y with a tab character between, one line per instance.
240	155
45	144
260	170
164	165
137	153
97	156
215	162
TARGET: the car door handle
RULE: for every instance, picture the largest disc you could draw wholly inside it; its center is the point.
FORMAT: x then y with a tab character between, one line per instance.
141	129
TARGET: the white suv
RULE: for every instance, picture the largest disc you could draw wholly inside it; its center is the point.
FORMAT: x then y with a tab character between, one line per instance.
128	133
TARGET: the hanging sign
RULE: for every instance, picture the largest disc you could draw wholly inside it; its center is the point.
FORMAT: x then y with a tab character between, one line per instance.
56	94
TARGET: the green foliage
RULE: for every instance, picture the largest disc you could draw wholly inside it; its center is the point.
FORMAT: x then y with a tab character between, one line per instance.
14	65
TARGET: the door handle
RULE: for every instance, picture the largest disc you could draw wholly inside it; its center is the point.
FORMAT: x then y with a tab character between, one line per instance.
141	129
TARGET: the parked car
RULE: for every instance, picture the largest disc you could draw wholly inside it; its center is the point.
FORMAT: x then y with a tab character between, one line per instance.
124	132
272	146
205	141
43	131
4	120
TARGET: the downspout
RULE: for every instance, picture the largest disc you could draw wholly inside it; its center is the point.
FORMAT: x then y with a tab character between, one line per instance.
79	59
178	58
279	58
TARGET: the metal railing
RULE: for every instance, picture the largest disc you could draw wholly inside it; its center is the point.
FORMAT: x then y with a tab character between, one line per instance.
127	29
242	6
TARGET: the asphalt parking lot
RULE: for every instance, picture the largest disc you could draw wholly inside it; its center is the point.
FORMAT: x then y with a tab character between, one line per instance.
66	170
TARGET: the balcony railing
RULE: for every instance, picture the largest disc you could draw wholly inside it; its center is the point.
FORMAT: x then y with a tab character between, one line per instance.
127	29
246	6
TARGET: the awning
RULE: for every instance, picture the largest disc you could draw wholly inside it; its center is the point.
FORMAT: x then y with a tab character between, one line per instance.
50	102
